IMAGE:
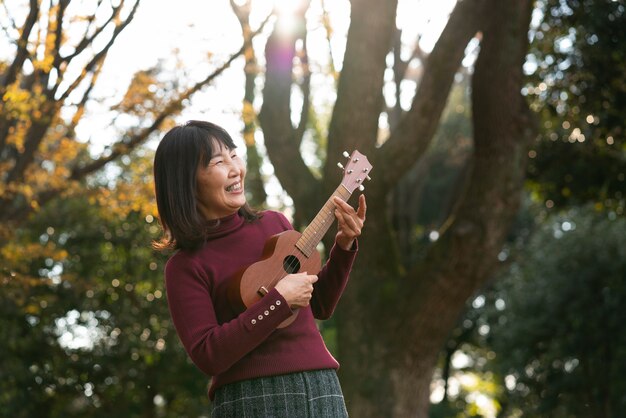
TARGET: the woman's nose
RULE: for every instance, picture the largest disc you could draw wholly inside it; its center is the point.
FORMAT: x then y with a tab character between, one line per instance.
233	168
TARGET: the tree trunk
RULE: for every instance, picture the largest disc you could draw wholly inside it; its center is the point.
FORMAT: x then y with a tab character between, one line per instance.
392	326
394	320
254	179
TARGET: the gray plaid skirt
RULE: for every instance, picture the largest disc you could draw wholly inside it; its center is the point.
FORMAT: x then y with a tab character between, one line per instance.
296	395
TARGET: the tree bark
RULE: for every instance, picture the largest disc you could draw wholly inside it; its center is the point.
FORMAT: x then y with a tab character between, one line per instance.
354	122
254	179
282	139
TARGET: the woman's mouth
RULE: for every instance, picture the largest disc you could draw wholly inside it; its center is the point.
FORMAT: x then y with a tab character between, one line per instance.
234	187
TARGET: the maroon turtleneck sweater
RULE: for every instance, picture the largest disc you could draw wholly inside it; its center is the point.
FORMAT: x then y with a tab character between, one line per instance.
231	346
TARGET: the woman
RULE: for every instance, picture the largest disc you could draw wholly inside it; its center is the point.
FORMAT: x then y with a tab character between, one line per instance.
257	369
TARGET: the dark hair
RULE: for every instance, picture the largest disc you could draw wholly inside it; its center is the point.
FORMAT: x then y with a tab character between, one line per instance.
176	162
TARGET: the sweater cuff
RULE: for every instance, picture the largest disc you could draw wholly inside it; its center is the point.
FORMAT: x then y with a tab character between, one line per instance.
267	313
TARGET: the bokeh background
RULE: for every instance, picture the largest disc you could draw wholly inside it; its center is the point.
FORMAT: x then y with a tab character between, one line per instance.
491	279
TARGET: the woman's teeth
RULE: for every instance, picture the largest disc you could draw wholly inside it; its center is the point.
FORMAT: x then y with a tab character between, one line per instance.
235	187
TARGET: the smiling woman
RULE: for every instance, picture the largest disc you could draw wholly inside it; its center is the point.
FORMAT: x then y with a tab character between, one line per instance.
258	368
194	165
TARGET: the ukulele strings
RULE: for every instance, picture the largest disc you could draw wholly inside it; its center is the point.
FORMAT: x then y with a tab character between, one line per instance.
293	262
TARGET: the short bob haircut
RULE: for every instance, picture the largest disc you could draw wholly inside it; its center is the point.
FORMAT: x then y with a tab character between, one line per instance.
176	162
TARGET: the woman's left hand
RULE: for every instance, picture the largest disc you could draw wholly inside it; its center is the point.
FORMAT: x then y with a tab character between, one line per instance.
349	221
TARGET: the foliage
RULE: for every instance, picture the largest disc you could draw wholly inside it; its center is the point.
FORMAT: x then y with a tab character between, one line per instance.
576	69
47	80
85	330
557	318
577	83
83	320
91	270
55	55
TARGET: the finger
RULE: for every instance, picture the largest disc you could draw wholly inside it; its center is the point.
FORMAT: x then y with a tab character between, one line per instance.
350	232
351	225
347	226
349	212
340	215
342	205
362	209
343	221
346	213
352	218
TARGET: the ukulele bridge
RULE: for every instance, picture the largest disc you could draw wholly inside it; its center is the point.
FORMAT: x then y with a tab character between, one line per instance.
262	291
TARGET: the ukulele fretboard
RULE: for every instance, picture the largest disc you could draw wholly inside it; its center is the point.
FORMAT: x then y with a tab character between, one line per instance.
316	230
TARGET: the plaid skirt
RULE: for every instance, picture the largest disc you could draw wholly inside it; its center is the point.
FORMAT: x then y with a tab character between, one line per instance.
306	394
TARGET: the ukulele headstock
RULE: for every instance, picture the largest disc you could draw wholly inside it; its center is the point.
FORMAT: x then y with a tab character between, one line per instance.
356	171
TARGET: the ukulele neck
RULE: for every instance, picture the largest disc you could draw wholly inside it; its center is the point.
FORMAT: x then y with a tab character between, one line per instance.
316	230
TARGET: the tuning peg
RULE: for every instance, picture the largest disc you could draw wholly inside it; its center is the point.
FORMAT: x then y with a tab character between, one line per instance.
340	165
345	154
361	187
368	178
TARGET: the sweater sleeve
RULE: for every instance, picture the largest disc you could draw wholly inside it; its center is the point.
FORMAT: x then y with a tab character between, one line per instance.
332	281
215	347
333	277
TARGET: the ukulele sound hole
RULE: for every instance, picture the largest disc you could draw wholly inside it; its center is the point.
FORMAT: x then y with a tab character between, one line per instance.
291	264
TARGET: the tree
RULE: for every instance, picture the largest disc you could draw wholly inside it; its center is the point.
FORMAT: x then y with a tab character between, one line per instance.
577	83
410	310
74	239
392	322
254	181
46	86
574	69
556	319
94	339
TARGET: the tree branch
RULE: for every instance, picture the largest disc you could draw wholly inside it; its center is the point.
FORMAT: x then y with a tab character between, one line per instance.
87	40
10	75
39	127
99	56
465	255
22	47
400	67
305	86
35	135
59	36
282	140
418	126
354	122
132	141
254	179
80	106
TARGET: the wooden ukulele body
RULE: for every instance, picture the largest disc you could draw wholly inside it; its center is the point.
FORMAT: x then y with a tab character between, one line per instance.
280	257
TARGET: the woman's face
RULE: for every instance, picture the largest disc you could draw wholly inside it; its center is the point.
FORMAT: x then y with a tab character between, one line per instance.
220	184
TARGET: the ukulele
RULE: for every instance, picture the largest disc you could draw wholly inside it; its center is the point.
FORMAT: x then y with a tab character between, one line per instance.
291	251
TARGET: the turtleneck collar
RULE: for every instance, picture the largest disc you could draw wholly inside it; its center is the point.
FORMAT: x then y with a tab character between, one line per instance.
224	226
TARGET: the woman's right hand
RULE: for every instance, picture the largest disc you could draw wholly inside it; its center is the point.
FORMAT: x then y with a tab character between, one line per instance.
297	288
